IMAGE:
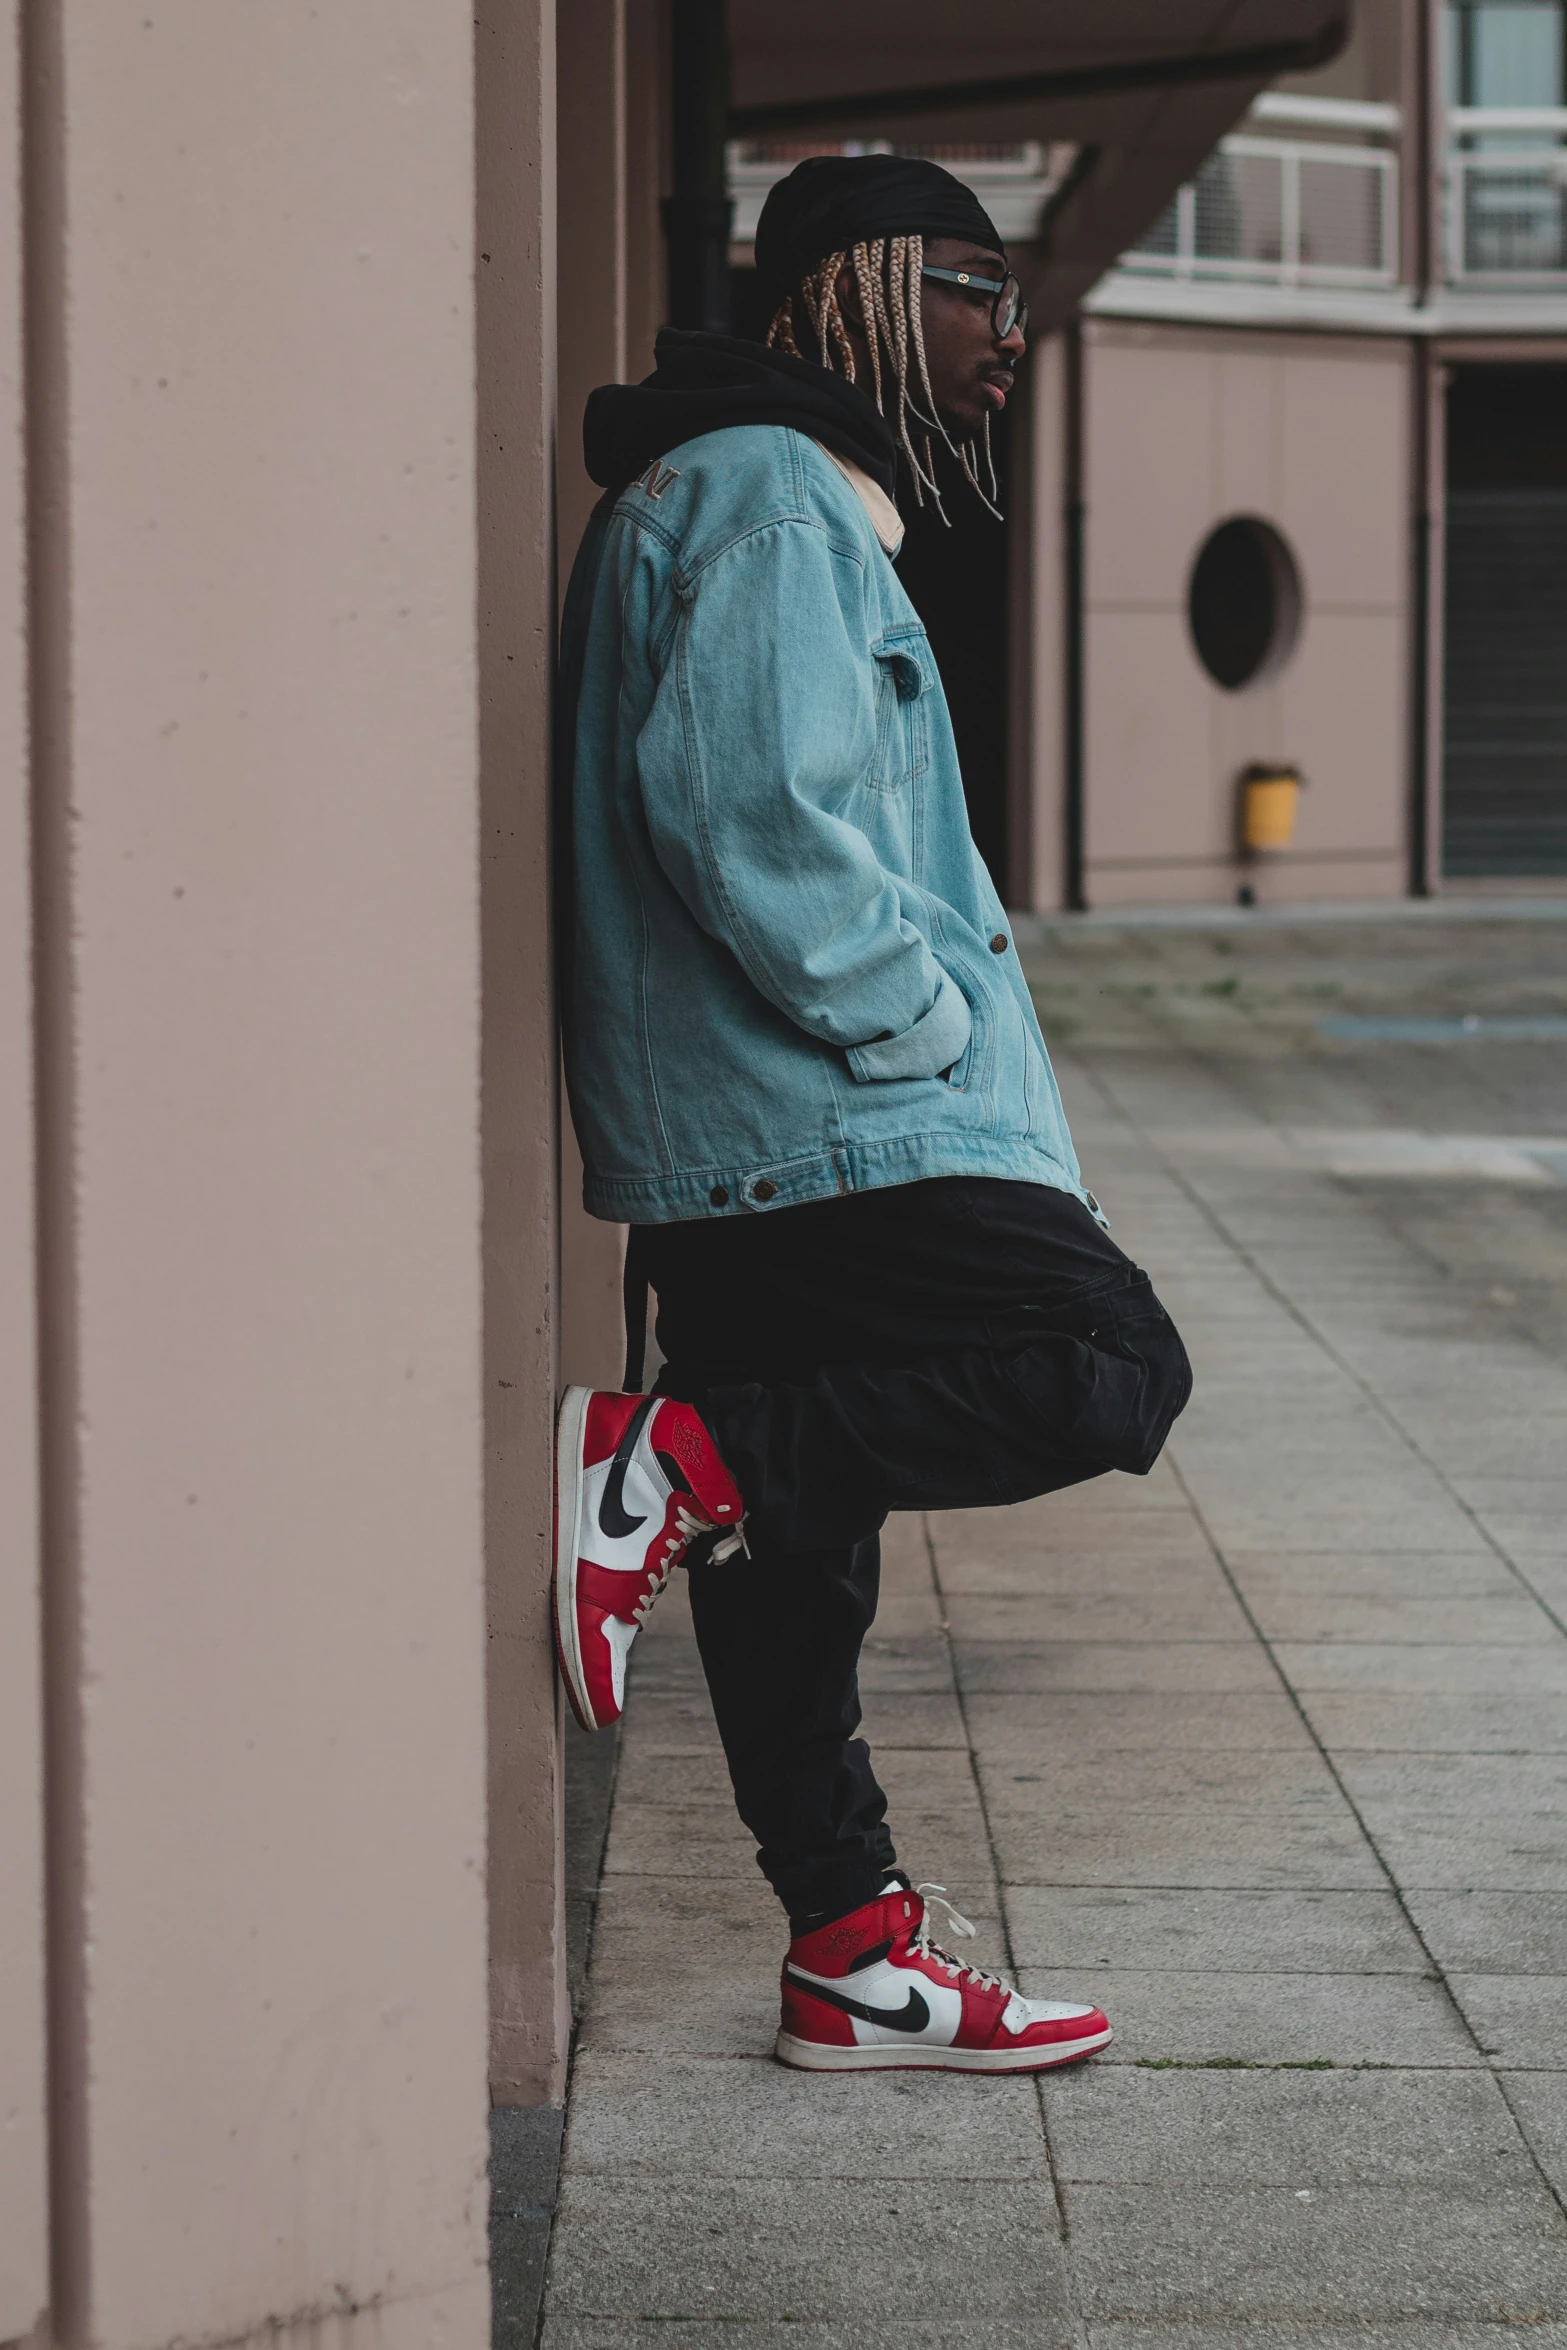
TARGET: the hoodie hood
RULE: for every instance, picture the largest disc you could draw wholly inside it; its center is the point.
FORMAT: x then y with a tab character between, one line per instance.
704	382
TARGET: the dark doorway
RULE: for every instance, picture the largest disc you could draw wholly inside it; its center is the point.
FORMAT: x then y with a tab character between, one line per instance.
956	579
1505	720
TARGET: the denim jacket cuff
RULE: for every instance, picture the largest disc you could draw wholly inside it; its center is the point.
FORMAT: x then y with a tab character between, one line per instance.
935	1041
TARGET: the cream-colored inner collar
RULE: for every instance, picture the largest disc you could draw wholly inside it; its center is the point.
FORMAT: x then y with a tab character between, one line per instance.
886	521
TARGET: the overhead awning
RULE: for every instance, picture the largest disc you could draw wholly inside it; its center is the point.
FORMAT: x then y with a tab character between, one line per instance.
1143	89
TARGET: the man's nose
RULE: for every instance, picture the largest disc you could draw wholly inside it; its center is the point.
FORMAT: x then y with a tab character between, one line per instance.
1014	344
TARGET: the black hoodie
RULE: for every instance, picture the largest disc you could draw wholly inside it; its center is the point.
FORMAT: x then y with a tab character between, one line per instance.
704	382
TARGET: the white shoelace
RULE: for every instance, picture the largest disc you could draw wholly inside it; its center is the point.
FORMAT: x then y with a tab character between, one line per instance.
687	1527
953	1922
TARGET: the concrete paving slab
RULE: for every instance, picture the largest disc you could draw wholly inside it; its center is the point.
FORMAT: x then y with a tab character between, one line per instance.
1165	2017
1300	1512
1537	1496
1189	1779
1150	1928
1494	1933
1040	1574
1509	1618
670	1667
893	1719
1117	2124
685	1966
1330	2253
739	2249
932	1780
905	1553
1474	1573
685	2117
1109	1844
1456	1821
1437	1722
1547	1578
1399	1669
680	1722
1067	1723
1196	1608
908	1615
1525	1534
1476	1786
677	1779
1451	1854
677	1840
1539	2100
906	1667
1518	2019
1409	2334
1072	1520
1042	2333
1025	1667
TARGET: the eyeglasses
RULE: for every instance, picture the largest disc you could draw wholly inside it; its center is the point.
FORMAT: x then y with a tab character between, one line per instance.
1008	311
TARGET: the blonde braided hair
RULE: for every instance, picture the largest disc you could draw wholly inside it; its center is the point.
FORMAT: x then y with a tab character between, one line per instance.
887	273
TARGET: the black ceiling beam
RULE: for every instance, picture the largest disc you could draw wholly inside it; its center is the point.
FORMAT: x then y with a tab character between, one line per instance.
1258	64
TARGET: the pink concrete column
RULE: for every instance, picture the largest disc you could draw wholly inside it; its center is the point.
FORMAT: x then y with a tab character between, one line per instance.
24	2287
515	53
258	785
591	349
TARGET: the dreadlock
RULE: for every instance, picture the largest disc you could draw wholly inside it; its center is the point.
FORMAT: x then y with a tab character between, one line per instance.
887	271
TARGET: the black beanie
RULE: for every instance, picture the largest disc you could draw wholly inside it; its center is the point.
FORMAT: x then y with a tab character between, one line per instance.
834	201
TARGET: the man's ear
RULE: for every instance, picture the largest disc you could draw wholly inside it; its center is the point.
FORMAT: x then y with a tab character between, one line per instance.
849	298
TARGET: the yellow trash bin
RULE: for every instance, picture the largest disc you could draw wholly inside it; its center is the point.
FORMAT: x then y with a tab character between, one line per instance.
1270	798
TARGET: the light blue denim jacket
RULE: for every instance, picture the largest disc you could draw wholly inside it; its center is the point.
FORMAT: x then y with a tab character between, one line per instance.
787	973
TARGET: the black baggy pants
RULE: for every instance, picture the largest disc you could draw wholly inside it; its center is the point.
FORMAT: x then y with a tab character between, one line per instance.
937	1345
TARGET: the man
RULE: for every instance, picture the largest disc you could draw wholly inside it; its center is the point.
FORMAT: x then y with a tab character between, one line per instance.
806	1071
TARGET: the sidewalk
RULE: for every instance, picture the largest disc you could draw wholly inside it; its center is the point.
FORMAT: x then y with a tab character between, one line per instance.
1267	1754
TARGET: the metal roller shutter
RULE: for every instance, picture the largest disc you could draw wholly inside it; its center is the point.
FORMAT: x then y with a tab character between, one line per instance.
1505	766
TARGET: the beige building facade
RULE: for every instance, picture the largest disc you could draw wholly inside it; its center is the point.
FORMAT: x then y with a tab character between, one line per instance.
1351	326
1183	429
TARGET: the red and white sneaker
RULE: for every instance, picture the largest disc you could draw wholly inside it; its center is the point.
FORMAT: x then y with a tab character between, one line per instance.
874	1990
637	1479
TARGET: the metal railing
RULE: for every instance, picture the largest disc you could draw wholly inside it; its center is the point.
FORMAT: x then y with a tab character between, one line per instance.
1506	200
1289	212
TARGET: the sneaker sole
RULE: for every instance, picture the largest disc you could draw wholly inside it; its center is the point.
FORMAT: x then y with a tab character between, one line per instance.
569	1435
815	2056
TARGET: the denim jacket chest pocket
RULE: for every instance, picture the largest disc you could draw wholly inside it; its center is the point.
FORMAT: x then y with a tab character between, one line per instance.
905	673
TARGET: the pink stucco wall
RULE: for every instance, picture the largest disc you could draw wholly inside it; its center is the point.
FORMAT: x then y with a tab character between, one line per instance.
255	631
1183	427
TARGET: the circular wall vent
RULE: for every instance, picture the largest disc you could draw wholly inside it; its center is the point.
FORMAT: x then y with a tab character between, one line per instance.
1243	602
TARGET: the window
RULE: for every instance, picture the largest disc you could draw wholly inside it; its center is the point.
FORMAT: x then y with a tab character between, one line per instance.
1243	602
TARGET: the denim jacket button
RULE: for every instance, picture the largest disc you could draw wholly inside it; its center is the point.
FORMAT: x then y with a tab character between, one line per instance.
998	945
718	1196
764	1190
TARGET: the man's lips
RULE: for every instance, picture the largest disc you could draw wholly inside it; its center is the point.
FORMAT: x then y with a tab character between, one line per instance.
996	388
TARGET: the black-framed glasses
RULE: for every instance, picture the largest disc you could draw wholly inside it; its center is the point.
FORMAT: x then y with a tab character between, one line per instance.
1007	311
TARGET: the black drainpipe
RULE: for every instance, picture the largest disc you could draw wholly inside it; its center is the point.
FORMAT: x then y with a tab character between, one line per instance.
1418	158
697	215
1420	628
1072	521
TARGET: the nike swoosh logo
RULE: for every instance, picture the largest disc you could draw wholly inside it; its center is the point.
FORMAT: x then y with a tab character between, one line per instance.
913	2016
614	1518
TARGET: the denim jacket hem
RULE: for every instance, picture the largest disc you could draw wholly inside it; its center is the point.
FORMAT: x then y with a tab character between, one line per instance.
827	1174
